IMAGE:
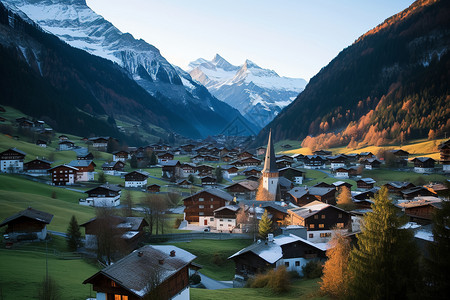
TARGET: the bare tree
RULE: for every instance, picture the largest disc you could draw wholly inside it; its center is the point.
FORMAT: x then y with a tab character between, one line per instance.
109	242
48	289
127	209
154	208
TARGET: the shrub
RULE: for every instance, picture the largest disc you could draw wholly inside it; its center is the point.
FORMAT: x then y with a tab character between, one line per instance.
312	269
218	259
195	279
178	222
277	280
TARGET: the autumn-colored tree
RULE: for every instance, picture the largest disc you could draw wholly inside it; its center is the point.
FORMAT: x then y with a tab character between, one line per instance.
335	273
265	225
344	199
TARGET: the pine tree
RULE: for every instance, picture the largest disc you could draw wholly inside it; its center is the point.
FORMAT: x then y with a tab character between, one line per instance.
219	174
438	264
153	159
344	199
73	234
335	271
384	264
101	177
265	225
133	162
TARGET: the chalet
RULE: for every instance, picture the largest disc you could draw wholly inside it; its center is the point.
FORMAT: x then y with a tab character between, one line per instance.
200	207
298	157
187	148
371	163
418	191
2	119
253	178
41	143
11	160
102	196
211	158
204	170
324	185
444	149
129	278
290	251
422	209
85	168
188	169
365	183
66	145
252	171
285	186
283	163
395	187
246	162
121	156
260	151
24	123
366	155
346	172
183	183
246	189
229	171
244	154
198	158
37	166
314	162
63	175
292	174
322	152
352	158
423	164
339	184
88	156
171	168
128	231
154	188
319	219
63	137
99	143
369	194
278	213
114	168
338	161
304	195
400	154
227	158
225	217
440	189
136	179
208	180
165	157
29	224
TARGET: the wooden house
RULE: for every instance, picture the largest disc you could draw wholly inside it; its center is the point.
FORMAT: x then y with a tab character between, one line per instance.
88	156
187	148
320	219
345	172
252	171
208	180
229	171
113	168
11	160
225	218
29	224
366	155
244	154
63	175
283	163
421	210
200	207
423	164
292	174
371	163
41	143
395	187
444	150
171	168
244	189
154	188
205	170
188	169
105	195
136	179
290	251
340	184
165	157
85	168
338	161
227	158
324	185
418	191
400	154
260	151
129	278
314	162
304	195
66	145
63	137
99	143
365	183
246	162
37	166
322	152
183	183
121	156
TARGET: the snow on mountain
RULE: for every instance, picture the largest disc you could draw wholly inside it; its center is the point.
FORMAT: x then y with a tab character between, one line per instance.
259	94
76	24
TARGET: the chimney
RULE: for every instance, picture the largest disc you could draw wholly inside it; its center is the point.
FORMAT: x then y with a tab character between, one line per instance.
161	261
172	253
270	237
140	253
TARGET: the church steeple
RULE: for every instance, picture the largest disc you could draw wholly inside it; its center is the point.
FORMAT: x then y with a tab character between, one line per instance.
270	165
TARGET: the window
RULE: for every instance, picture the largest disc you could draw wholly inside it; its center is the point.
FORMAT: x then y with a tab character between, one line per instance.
212	199
323	216
201	206
311	235
325	234
297	263
321	226
311	225
340	225
201	213
201	199
221	220
316	217
339	216
286	264
211	206
120	297
211	219
113	284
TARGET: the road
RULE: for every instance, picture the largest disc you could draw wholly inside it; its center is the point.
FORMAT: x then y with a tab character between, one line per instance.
212	284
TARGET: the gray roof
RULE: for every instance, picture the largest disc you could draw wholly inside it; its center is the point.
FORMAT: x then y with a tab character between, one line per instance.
422	159
18	151
399	184
270	165
216	192
111	187
134	271
299	192
367	180
170	163
80	163
230	207
248	184
32	214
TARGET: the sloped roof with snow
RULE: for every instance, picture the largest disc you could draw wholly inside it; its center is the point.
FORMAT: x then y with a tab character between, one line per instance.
30	213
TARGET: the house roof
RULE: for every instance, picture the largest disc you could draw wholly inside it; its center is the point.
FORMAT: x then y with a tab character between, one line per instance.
16	150
299	192
170	163
128	223
67	166
248	184
422	202
134	271
80	163
398	184
111	164
367	180
37	159
416	189
423	159
271	252
270	165
215	192
111	187
284	182
339	183
234	208
30	213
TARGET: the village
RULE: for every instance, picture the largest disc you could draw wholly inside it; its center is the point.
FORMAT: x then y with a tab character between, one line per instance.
138	206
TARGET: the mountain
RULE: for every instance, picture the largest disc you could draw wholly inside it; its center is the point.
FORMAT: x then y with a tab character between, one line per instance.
76	24
71	90
391	84
259	94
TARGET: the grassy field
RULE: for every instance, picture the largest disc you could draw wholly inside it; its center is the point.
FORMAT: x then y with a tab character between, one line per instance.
207	250
21	273
383	176
301	289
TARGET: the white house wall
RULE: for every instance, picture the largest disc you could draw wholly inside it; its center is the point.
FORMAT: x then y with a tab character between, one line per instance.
7	164
182	295
136	183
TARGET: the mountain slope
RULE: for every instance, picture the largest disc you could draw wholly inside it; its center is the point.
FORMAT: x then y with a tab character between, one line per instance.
75	23
392	84
259	94
69	88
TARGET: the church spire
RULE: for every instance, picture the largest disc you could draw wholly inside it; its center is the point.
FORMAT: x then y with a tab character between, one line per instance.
270	165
